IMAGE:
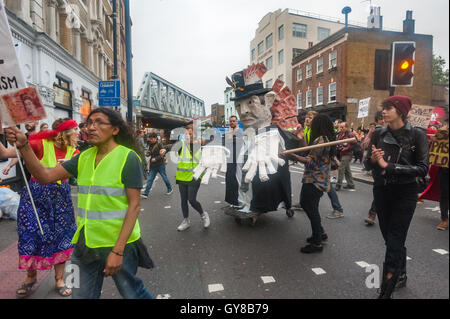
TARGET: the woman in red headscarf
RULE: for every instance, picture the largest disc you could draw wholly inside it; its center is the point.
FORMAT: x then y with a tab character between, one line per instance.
54	206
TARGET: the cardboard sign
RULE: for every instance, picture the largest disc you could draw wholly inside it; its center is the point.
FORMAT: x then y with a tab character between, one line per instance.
420	115
363	110
11	76
22	106
439	150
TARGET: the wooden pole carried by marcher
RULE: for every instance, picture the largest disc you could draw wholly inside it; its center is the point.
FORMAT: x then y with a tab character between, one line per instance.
312	147
29	191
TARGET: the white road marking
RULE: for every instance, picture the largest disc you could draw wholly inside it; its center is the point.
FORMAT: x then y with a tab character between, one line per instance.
318	271
215	287
362	264
434	209
441	251
221	176
222	183
267	279
408	258
163	296
167	207
217	202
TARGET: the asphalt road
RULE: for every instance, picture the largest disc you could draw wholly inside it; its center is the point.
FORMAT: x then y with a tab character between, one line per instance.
231	261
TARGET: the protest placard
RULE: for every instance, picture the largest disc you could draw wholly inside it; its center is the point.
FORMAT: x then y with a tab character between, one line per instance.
439	150
363	110
420	115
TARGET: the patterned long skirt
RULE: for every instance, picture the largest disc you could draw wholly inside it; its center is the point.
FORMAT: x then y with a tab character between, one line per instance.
55	210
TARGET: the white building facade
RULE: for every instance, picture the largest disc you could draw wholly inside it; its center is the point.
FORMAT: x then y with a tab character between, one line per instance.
65	49
282	35
229	105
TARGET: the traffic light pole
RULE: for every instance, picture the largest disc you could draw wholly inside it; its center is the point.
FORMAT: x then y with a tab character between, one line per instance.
114	17
391	91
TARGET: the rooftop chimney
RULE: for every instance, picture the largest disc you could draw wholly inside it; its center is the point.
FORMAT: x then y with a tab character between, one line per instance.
409	23
375	20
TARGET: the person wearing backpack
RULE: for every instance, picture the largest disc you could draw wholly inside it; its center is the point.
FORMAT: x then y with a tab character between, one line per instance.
398	155
157	164
346	154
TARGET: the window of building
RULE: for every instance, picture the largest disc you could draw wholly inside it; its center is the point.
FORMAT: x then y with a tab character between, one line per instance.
269	84
281	32
260	47
319	94
299	74
299	30
86	105
308	98
281	57
322	33
269	41
269	63
299	100
332	92
63	98
281	77
296	52
309	70
320	65
333	59
253	54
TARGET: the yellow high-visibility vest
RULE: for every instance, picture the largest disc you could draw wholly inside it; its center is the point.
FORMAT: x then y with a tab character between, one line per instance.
102	198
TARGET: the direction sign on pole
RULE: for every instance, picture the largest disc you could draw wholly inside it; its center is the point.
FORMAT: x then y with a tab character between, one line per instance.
109	93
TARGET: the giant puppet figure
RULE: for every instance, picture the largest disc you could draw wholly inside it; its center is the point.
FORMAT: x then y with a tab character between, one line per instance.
258	181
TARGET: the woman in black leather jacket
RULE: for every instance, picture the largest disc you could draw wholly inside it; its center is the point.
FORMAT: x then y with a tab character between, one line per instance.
398	154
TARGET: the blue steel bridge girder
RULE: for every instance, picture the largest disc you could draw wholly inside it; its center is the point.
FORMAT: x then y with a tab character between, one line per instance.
157	94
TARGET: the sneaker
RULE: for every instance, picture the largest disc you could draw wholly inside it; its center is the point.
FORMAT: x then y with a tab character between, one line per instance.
335	214
184	225
443	225
169	192
310	249
205	219
333	180
309	240
145	196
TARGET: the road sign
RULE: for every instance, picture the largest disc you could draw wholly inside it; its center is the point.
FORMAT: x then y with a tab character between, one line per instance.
109	93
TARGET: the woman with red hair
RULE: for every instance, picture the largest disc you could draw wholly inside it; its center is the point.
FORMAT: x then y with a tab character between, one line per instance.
54	207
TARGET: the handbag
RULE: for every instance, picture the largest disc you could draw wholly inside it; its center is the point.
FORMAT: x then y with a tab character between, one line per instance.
144	260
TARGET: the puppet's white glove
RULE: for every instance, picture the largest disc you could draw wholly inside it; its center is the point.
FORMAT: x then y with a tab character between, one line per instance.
263	155
214	158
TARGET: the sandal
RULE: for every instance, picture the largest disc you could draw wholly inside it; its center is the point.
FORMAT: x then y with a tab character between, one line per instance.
61	291
26	288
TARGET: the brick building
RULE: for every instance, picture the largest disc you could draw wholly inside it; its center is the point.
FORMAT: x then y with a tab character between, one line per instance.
334	75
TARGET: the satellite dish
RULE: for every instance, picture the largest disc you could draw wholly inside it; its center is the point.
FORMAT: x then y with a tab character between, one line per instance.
346	10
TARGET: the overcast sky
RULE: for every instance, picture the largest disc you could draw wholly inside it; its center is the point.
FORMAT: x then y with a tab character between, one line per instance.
195	44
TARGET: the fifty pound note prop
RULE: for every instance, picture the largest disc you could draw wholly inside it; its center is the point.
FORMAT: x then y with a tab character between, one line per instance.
18	104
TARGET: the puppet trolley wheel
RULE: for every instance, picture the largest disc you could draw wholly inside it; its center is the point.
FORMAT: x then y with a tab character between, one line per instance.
289	213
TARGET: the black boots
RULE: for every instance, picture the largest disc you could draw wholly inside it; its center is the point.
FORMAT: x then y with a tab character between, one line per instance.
388	285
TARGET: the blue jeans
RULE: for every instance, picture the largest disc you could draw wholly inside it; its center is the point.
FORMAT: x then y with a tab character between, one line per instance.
335	199
151	178
91	265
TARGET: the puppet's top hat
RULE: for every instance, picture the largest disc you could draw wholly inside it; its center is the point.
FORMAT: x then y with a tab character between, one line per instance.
248	82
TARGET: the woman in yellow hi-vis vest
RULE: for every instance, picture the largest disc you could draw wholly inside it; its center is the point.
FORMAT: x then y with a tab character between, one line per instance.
55	209
188	158
107	240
